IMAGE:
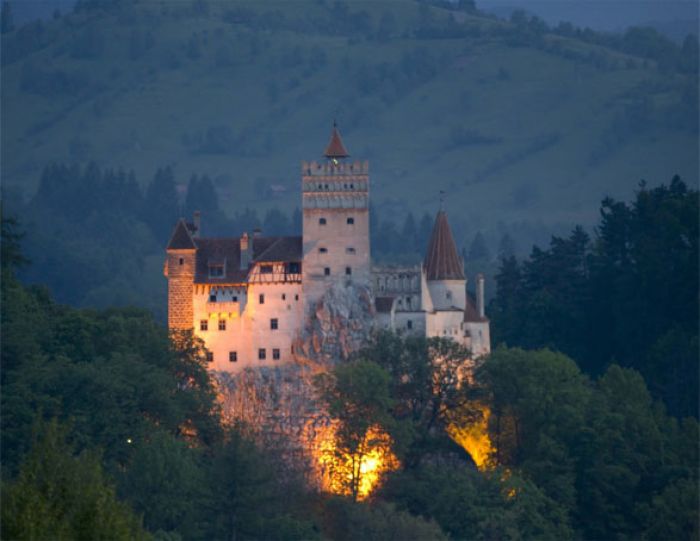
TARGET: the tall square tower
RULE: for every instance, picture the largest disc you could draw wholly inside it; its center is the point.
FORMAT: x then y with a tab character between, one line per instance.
335	202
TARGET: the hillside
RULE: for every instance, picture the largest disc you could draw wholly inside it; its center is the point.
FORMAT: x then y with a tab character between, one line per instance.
514	127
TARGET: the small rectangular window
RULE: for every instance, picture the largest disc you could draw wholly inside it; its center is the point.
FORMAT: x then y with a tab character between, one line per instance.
222	324
296	297
276	354
321	221
265	269
261	298
351	221
262	354
274	324
327	271
232	356
210	356
348	271
323	250
212	297
235	299
204	325
284	297
216	271
409	324
350	250
182	261
294	267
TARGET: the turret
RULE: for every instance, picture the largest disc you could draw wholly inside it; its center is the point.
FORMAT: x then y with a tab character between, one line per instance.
180	271
444	270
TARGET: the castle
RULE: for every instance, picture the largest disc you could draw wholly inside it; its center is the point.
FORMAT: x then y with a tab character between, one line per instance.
248	297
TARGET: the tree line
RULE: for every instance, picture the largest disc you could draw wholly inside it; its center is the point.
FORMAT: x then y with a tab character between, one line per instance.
627	295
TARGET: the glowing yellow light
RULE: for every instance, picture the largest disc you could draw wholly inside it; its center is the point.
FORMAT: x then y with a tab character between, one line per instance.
474	438
364	469
128	440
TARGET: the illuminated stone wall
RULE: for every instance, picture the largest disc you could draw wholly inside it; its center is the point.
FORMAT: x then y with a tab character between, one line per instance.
179	269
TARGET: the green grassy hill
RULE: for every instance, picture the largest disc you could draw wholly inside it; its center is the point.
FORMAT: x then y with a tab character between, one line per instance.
516	128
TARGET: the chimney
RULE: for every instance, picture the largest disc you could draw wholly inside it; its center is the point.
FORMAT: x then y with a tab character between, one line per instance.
480	295
245	251
197	221
257	232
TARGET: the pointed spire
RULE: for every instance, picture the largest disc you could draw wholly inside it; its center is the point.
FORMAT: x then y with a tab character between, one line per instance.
181	238
441	259
335	148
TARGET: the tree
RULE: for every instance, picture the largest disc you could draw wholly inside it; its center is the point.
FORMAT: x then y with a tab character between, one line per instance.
161	205
478	250
62	495
356	396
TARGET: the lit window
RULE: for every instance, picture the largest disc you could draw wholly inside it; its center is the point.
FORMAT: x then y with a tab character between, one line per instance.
274	324
276	354
348	271
261	298
262	354
323	250
210	356
232	356
321	221
351	221
327	271
222	324
265	269
350	250
204	325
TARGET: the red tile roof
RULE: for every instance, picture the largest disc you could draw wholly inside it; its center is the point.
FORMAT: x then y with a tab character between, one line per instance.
228	250
181	238
471	315
441	259
335	148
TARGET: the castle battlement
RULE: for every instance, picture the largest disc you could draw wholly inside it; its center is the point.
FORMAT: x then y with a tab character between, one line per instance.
337	168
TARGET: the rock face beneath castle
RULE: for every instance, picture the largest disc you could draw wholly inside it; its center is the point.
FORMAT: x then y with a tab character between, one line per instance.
338	325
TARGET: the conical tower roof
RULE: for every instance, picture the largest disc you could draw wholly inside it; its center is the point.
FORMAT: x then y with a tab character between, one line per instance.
441	259
181	238
336	148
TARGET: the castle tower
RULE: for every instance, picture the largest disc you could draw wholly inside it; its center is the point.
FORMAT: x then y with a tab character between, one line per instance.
335	202
180	271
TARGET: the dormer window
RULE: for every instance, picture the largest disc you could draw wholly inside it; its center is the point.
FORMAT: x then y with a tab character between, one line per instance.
216	270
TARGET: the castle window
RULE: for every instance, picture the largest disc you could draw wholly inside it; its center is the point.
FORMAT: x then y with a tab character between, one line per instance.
348	271
408	301
182	261
321	221
327	271
234	298
212	297
265	269
216	271
294	267
323	250
261	298
350	250
232	356
284	296
352	186
448	294
204	325
350	221
409	324
262	355
274	324
210	356
222	324
276	354
296	297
